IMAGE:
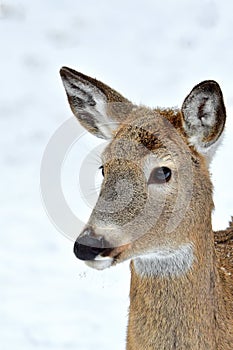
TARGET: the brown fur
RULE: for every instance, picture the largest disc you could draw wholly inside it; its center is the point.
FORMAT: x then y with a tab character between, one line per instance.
224	254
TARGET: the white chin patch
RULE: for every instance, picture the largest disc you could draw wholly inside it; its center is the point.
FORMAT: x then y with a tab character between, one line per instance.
100	262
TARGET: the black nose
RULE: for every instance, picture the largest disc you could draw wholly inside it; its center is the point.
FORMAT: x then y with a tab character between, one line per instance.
88	247
85	252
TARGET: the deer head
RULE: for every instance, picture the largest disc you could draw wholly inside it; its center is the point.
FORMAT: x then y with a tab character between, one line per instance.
156	188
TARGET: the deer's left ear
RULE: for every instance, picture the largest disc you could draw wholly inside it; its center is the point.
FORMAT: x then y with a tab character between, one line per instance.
99	109
204	117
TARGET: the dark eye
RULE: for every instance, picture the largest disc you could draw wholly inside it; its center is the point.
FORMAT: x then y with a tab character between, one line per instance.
102	168
160	175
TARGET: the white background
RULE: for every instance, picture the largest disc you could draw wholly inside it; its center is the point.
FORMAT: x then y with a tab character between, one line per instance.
153	52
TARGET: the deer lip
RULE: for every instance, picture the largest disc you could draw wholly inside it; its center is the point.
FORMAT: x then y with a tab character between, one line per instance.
107	258
100	263
112	252
117	251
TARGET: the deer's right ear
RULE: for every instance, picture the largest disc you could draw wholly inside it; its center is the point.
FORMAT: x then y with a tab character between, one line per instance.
98	108
204	117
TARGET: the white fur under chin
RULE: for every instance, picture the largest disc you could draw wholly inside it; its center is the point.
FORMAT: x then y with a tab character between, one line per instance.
166	262
100	262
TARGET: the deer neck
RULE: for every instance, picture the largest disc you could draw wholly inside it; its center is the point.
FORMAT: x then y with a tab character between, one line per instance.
174	309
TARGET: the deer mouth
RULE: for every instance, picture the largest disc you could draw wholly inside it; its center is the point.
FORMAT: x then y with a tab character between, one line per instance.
99	258
103	261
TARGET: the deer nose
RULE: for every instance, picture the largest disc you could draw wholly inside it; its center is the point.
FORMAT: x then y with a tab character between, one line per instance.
88	246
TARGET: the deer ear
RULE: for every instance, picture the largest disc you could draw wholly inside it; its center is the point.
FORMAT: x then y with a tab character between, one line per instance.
98	108
204	117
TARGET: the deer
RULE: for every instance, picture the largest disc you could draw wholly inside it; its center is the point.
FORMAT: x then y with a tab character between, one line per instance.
154	209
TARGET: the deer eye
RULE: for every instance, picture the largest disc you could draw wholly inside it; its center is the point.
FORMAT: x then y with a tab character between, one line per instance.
160	175
102	168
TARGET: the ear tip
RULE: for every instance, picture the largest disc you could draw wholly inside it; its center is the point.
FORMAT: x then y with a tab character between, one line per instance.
211	82
64	71
209	85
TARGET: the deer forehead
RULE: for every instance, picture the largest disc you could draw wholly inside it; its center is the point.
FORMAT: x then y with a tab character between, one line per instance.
146	132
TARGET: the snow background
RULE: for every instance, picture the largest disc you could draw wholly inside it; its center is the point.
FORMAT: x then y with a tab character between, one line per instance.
153	52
